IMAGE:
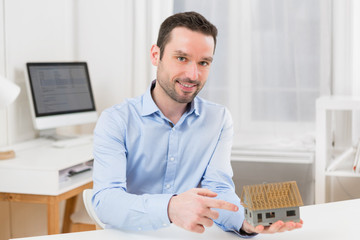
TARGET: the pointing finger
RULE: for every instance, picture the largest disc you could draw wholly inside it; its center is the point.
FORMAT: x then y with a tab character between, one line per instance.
221	204
205	192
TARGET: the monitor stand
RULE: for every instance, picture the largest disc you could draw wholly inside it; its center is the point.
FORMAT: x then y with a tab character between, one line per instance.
64	141
52	135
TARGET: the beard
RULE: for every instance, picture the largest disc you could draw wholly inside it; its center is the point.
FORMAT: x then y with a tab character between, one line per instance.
169	88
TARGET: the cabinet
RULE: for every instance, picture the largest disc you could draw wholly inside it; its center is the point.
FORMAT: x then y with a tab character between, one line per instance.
39	174
41	169
325	152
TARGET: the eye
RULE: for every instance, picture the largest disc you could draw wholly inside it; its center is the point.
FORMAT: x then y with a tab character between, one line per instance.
204	63
181	59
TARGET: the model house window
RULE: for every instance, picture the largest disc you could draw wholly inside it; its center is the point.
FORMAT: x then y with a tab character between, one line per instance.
259	217
270	214
290	213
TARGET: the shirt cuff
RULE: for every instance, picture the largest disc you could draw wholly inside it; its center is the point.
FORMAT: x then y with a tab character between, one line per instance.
159	209
241	233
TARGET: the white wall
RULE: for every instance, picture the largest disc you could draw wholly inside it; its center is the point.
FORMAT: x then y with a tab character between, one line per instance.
2	73
102	40
115	37
36	30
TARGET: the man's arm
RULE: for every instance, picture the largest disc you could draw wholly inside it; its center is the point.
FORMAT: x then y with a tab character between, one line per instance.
218	178
113	205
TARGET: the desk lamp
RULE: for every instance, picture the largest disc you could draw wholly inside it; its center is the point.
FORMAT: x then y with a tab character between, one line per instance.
8	93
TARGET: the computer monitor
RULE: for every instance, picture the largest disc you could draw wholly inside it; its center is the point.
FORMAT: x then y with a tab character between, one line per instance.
60	94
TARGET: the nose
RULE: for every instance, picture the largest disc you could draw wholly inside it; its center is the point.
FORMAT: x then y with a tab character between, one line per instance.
192	71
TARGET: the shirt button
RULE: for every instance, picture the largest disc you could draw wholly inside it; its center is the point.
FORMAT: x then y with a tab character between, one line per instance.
164	224
167	186
139	228
172	159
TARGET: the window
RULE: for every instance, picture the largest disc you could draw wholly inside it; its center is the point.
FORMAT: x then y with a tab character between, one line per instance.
270	215
290	213
274	67
259	217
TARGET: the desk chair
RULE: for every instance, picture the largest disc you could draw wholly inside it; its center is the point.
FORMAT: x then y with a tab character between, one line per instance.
87	196
80	219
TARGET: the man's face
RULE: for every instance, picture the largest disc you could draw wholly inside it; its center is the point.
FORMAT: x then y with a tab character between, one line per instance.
184	67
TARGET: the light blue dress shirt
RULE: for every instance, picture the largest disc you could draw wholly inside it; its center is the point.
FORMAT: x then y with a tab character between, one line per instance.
141	161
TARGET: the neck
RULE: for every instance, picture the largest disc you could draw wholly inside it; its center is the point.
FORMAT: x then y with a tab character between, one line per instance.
170	108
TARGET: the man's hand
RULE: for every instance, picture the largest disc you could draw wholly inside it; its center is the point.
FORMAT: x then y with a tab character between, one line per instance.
192	211
278	226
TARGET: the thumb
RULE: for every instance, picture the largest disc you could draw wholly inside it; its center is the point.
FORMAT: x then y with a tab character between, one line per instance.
205	192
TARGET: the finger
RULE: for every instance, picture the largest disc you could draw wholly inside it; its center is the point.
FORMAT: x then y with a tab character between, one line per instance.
259	229
287	227
213	214
197	228
205	192
209	213
299	224
207	222
275	227
221	204
247	227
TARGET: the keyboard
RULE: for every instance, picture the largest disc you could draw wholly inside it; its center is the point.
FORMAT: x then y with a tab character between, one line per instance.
72	142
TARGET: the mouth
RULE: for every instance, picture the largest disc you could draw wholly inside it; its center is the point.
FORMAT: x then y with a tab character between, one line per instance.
187	87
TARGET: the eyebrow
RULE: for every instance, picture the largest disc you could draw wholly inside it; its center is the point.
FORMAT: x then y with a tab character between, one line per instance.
179	52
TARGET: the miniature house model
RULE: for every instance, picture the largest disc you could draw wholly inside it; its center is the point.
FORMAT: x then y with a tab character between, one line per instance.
267	203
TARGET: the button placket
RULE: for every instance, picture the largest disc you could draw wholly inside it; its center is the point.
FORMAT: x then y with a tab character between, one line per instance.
170	172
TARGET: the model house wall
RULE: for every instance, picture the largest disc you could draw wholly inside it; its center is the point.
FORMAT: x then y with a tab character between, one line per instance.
269	216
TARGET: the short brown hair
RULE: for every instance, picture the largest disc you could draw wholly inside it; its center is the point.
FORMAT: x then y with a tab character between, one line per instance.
191	20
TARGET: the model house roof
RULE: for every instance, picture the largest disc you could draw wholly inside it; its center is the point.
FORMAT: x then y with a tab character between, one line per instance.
271	196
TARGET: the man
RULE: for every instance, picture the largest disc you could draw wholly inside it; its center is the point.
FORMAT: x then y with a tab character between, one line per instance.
165	156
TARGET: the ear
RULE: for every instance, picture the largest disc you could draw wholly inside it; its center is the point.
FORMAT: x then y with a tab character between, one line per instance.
155	55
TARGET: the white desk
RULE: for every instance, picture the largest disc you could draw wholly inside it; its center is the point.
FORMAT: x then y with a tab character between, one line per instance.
328	221
33	176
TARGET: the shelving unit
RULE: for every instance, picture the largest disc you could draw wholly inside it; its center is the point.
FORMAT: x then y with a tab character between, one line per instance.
38	174
325	106
37	166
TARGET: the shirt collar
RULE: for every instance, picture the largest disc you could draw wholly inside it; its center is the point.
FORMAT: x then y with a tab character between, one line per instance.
194	107
150	107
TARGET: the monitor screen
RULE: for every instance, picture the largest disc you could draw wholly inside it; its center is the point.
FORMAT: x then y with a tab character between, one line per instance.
60	90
